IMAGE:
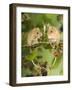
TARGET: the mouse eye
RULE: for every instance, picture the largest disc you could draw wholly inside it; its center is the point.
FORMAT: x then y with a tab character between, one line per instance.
37	32
51	31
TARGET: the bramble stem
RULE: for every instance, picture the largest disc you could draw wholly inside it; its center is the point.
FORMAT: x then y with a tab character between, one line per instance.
54	61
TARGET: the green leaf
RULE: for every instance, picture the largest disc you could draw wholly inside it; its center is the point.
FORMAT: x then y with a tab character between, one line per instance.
57	68
25	72
47	55
31	56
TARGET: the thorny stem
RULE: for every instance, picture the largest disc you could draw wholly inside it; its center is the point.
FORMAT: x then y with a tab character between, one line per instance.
36	65
54	61
35	44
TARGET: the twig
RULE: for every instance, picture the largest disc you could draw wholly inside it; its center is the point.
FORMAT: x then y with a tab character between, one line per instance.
36	44
35	64
54	61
